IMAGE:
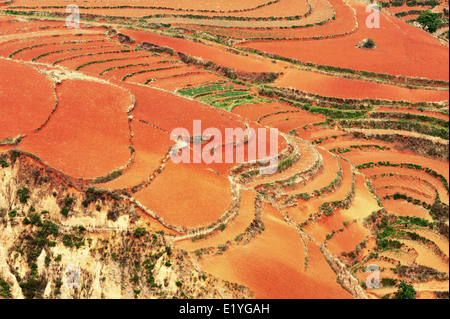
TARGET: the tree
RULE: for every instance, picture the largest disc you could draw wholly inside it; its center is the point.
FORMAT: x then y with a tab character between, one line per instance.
430	20
405	291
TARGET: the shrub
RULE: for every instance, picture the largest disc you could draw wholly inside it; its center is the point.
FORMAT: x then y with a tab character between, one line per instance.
405	291
5	289
430	20
65	211
140	232
369	44
23	195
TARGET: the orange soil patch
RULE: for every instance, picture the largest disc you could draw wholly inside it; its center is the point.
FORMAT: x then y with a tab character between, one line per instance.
29	54
286	122
272	264
438	239
68	55
411	172
409	17
358	157
347	240
326	225
169	111
424	290
346	142
96	68
363	204
181	4
150	145
99	55
169	70
425	256
206	52
243	148
321	12
195	79
120	73
426	295
404	256
390	56
311	206
202	199
88	135
327	85
5	148
122	68
24	107
155	225
16	44
438	115
307	158
233	228
281	8
410	192
50	34
407	182
403	208
326	176
253	112
314	133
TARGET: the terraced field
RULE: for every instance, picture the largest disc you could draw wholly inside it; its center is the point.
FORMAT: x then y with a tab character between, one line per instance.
362	143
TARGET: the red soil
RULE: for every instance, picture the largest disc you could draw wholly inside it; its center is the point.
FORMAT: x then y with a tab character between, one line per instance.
327	85
403	208
24	108
233	228
150	145
312	205
328	173
408	191
122	68
358	157
206	52
346	142
169	111
10	46
322	11
347	240
411	172
438	115
202	198
307	159
195	79
272	264
99	55
88	135
363	203
29	54
405	181
181	4
169	70
390	56
254	112
295	120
